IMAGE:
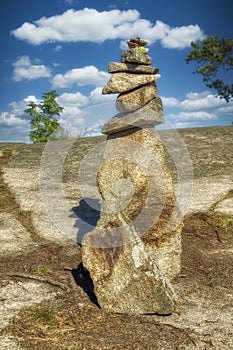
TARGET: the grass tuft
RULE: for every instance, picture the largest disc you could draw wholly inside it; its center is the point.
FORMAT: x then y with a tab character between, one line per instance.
43	315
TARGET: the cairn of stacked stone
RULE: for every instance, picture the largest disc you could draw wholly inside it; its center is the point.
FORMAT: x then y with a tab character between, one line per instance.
138	102
134	252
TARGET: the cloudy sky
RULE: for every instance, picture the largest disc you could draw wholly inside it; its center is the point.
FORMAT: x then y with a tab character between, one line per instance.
66	45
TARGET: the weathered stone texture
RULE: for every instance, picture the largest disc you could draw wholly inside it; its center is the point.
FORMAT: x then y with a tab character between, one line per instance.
147	116
135	56
134	224
135	249
115	67
135	42
123	82
126	278
151	183
137	98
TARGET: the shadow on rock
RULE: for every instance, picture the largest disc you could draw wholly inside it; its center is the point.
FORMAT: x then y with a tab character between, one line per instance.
83	280
88	214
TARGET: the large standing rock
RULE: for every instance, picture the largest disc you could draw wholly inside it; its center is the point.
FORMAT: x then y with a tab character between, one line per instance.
123	254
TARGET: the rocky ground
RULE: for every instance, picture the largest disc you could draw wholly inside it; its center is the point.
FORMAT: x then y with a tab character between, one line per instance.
47	299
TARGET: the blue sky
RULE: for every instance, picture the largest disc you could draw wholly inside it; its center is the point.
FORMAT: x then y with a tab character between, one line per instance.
66	45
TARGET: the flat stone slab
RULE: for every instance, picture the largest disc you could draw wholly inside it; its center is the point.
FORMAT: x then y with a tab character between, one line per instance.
147	116
137	98
114	67
225	206
123	82
24	182
9	343
202	197
22	177
14	238
19	295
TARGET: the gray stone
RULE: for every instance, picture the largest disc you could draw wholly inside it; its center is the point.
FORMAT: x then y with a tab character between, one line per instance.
115	67
155	106
134	42
126	278
135	56
135	181
135	249
147	116
225	206
11	231
137	98
123	82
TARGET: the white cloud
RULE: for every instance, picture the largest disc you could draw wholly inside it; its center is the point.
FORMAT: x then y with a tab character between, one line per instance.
18	107
88	75
94	26
96	96
204	100
197	107
181	37
24	69
9	119
170	102
13	127
14	124
76	99
193	116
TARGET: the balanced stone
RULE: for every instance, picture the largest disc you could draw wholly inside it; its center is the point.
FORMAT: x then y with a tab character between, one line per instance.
135	42
135	56
147	116
114	67
150	206
155	106
135	249
137	98
123	82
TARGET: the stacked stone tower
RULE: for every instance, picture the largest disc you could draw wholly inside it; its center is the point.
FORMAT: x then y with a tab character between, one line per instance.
135	81
134	252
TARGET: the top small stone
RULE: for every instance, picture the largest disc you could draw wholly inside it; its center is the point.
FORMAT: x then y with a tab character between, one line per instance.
136	42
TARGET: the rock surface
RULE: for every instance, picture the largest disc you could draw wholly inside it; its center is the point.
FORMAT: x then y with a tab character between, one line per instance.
114	67
126	278
135	221
123	82
12	231
137	98
136	42
135	56
147	116
201	305
134	180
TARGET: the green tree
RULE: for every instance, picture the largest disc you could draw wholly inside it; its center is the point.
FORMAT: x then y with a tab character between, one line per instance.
44	123
214	58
